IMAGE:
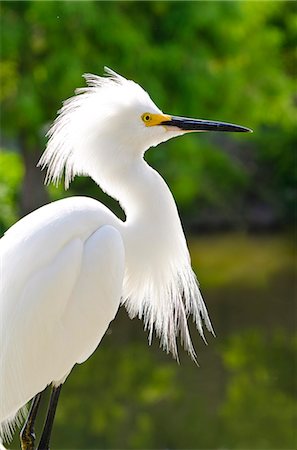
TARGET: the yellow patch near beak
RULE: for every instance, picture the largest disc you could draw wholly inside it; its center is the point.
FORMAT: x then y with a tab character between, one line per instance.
151	120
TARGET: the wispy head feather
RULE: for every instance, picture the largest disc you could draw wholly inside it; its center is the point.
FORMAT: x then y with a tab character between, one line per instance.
84	118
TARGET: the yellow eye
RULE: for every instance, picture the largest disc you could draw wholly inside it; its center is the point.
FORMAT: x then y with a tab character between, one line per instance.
146	117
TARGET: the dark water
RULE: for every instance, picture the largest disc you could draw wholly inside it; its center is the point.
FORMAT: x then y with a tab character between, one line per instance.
243	396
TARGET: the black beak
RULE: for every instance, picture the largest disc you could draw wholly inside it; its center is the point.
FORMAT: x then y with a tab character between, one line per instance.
183	123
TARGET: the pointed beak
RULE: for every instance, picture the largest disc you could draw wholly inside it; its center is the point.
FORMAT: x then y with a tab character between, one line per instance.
186	124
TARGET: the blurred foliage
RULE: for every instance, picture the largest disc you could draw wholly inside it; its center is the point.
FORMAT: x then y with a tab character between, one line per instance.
260	409
223	262
234	61
10	181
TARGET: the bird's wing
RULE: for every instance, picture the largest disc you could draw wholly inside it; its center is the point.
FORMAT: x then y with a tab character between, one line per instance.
56	314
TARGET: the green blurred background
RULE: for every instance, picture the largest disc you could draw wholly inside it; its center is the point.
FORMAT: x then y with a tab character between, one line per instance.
230	61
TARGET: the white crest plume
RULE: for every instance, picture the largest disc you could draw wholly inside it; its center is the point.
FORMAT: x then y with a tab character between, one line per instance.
160	285
89	110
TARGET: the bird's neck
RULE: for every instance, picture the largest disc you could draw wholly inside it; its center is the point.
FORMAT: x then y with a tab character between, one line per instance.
152	230
159	284
141	192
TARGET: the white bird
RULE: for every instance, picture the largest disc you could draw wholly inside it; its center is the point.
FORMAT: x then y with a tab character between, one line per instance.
67	267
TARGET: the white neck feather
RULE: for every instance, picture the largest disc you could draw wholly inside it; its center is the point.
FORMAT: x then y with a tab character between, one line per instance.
160	285
140	190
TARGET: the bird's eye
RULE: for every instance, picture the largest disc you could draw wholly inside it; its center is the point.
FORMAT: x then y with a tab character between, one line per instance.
146	117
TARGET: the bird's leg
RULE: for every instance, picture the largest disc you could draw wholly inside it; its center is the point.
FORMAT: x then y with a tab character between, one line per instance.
46	433
27	435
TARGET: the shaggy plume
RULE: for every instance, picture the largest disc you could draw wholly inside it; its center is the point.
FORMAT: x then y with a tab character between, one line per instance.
166	306
90	109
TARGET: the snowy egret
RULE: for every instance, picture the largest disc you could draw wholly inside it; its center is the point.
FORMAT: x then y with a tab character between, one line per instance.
67	267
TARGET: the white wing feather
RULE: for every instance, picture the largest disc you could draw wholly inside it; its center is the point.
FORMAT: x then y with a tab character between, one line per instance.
61	284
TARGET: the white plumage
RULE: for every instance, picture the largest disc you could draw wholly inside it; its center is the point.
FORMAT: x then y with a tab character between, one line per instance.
67	267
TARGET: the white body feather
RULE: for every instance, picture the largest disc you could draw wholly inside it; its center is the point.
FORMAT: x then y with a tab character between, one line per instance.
66	267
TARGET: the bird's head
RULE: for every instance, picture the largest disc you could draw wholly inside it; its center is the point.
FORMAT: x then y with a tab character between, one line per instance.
111	122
